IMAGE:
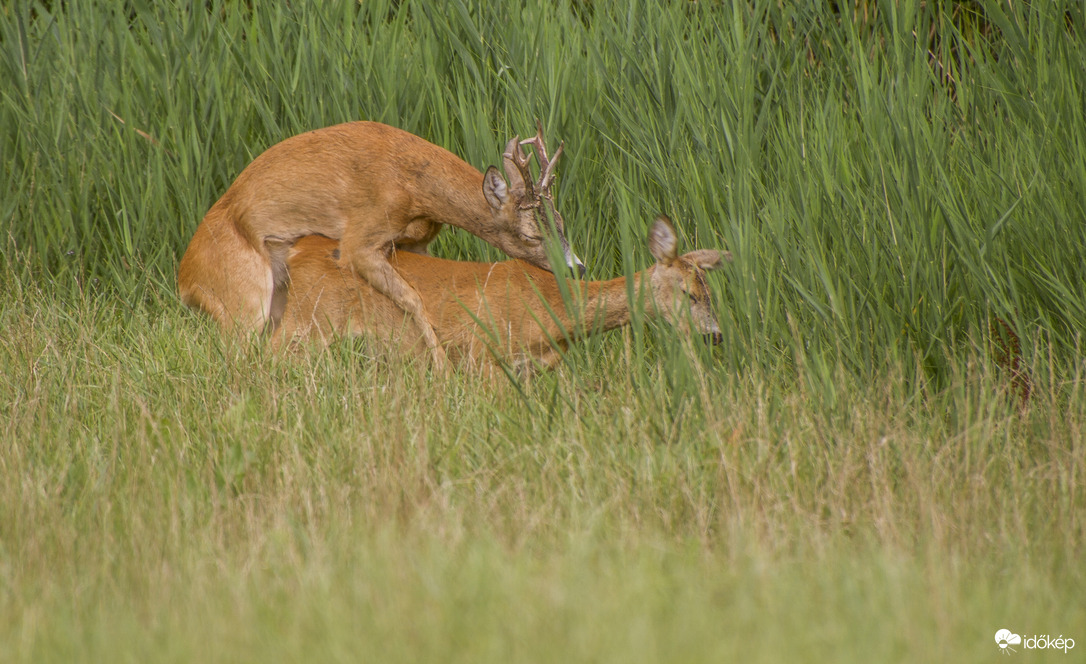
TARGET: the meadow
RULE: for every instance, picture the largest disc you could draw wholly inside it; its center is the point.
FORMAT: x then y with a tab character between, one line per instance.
883	461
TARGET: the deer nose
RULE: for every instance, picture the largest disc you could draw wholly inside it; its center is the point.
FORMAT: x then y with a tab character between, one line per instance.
715	338
574	263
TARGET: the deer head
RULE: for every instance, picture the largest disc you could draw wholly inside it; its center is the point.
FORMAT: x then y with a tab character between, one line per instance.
678	285
525	208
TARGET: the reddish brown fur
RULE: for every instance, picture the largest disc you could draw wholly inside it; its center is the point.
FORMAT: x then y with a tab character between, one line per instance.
509	309
375	188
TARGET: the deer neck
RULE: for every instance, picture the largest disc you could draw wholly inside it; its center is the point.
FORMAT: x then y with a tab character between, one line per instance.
452	193
606	304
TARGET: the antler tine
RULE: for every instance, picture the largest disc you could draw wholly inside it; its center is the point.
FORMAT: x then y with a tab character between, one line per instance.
509	146
521	159
517	157
548	173
546	163
514	153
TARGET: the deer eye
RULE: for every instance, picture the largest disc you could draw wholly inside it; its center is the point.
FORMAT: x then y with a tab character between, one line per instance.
531	240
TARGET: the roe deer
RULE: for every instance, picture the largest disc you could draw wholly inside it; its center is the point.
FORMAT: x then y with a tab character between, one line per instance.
376	189
510	309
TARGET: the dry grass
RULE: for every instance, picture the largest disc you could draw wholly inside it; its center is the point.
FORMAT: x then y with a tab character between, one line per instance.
177	498
854	475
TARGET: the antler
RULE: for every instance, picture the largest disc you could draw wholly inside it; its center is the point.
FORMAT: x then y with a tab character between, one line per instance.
521	177
546	163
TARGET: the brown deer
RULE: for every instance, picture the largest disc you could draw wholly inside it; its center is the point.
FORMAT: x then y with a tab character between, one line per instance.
509	310
377	190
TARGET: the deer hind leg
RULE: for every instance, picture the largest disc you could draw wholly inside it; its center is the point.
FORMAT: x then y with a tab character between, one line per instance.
224	275
277	249
374	267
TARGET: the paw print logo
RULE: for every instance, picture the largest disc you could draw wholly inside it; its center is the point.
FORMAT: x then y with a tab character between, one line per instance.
1005	638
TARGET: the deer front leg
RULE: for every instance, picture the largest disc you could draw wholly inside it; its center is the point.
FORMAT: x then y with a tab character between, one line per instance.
373	266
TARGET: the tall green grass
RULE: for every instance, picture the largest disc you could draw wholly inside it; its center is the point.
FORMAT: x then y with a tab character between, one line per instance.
853	475
885	200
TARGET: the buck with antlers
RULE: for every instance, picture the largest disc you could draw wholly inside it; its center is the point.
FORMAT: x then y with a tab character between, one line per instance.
510	310
377	190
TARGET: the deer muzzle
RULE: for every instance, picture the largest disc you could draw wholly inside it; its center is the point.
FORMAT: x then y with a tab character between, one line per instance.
573	263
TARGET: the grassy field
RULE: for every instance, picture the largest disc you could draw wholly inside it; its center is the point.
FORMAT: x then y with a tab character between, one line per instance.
884	461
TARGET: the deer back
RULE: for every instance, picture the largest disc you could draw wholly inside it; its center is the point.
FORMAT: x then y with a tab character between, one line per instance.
509	308
475	308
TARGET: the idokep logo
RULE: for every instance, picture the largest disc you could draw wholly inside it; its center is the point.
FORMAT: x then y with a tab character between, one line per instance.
1005	638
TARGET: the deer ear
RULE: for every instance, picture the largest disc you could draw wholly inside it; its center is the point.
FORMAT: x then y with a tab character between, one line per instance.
663	243
709	259
494	188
